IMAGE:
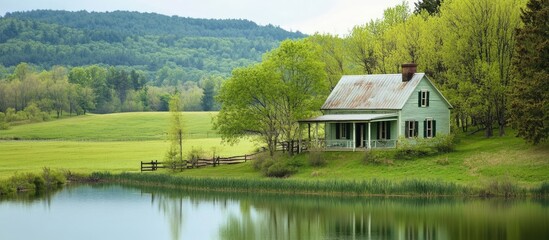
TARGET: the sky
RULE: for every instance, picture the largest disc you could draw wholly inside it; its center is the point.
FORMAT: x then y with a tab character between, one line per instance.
307	16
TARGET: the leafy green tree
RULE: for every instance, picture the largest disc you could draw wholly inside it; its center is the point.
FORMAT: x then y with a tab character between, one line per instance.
3	121
249	106
175	132
269	99
208	100
332	53
478	47
529	95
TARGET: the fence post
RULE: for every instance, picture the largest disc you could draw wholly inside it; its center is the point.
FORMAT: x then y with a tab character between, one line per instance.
141	166
245	157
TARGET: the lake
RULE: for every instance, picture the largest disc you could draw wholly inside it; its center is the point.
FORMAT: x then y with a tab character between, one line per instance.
123	212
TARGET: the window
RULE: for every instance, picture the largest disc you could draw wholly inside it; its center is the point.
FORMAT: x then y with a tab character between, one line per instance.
343	131
429	128
411	129
383	130
423	98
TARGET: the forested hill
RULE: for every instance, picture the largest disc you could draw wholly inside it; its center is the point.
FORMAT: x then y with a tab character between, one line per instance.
143	41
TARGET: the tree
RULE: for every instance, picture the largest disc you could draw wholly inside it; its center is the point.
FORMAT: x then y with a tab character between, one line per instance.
478	48
175	132
333	56
248	106
208	100
268	99
431	6
529	95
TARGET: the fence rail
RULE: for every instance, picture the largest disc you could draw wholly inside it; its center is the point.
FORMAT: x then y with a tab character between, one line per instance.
196	163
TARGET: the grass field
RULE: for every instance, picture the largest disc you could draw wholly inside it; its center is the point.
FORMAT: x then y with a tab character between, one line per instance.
113	127
476	161
111	142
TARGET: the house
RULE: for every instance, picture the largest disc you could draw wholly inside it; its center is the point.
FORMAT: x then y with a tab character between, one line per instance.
374	111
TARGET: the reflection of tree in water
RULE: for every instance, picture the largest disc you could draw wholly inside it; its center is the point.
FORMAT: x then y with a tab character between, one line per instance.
264	216
172	207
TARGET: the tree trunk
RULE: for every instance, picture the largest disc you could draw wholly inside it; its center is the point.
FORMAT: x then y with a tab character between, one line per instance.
180	145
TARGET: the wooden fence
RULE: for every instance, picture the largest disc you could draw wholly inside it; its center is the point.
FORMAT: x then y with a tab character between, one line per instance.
195	163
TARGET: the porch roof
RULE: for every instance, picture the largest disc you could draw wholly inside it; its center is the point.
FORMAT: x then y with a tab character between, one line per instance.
349	117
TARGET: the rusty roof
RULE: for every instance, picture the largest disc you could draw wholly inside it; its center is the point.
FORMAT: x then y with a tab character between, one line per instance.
378	91
349	117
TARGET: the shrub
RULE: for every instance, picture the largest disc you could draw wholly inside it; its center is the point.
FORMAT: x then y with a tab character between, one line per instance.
371	157
444	143
257	163
280	169
316	157
410	148
53	179
194	155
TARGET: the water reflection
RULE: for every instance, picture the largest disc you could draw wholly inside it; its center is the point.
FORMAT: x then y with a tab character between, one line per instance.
130	212
314	217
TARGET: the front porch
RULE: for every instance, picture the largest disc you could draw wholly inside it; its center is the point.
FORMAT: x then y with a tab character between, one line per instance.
351	132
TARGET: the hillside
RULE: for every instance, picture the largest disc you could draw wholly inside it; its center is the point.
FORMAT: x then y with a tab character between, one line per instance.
144	41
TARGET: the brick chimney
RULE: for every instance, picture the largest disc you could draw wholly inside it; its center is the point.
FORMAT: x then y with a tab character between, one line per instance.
408	70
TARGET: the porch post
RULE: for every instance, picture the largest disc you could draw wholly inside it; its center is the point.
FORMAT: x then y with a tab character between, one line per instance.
309	125
354	136
369	135
300	136
316	133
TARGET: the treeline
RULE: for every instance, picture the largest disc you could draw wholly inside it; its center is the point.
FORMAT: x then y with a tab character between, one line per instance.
31	95
468	47
196	48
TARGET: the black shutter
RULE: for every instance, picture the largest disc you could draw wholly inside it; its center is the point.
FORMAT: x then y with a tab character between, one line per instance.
388	125
419	99
427	99
434	128
378	129
349	125
407	129
337	130
416	126
425	128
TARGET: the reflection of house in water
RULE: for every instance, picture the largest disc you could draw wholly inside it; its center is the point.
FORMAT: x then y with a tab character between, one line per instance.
200	215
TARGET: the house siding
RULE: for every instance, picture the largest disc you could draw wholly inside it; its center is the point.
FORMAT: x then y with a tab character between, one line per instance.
438	110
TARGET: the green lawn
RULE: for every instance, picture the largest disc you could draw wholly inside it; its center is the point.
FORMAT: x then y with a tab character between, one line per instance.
87	157
109	142
114	127
476	161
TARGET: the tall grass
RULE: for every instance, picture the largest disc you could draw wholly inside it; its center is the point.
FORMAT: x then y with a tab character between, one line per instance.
371	187
32	183
329	187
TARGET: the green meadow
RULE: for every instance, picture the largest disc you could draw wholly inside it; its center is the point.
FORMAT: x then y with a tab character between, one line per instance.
118	142
110	142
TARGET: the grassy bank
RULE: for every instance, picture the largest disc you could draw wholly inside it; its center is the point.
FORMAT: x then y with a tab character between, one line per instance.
371	187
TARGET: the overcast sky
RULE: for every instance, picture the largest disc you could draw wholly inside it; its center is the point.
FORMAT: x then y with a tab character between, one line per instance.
308	16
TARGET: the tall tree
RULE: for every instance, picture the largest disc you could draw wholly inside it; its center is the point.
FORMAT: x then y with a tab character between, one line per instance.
175	132
478	48
269	98
208	98
529	95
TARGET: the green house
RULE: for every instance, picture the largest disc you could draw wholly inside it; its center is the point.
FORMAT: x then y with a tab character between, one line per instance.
374	111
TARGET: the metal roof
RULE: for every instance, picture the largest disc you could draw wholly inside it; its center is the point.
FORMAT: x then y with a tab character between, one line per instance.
378	91
349	117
